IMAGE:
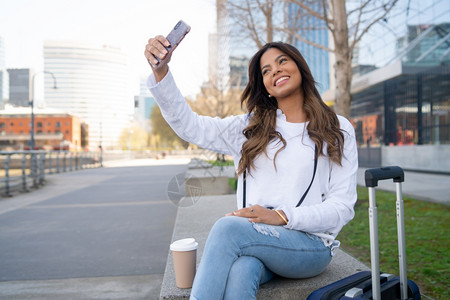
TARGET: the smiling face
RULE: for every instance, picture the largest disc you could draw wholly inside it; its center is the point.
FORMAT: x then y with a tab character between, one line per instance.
281	76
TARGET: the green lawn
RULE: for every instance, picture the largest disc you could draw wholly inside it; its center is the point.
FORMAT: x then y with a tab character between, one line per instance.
427	240
219	163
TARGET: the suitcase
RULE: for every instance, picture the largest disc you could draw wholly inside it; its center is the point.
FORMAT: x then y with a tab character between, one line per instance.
372	284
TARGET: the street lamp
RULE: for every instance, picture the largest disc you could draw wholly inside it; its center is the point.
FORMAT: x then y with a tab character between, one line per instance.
32	104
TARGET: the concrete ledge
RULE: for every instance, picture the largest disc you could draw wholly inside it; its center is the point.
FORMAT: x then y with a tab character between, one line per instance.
211	180
196	221
197	163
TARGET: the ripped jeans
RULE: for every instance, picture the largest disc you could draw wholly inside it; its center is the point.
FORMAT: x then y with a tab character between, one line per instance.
239	256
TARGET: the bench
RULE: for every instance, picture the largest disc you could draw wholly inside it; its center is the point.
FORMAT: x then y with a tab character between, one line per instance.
196	221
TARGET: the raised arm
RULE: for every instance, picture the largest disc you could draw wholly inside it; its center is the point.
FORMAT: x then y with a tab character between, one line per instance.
219	135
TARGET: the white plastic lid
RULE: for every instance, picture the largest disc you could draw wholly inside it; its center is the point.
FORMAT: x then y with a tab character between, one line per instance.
188	244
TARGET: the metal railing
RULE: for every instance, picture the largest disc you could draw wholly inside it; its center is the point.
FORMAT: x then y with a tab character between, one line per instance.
22	170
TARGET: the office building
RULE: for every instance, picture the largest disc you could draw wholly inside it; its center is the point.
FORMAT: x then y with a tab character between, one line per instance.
92	83
238	71
401	110
4	87
425	45
219	49
3	74
318	59
143	105
147	101
20	87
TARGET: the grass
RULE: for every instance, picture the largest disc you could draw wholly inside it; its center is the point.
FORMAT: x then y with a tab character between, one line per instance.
427	240
220	163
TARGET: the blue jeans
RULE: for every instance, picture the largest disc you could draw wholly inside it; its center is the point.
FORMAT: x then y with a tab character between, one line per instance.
239	256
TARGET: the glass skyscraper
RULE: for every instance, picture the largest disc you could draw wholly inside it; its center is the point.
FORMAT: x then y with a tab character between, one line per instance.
3	73
402	107
20	86
91	84
317	59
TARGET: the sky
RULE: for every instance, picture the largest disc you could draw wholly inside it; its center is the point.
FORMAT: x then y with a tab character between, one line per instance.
128	24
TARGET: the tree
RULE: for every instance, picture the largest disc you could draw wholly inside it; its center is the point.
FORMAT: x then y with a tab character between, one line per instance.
84	135
252	19
347	22
216	102
133	138
167	137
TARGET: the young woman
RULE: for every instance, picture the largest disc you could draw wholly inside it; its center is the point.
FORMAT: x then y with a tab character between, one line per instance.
296	161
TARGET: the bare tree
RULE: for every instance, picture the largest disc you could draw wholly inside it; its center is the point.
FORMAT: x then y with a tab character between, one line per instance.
347	21
219	102
166	137
254	19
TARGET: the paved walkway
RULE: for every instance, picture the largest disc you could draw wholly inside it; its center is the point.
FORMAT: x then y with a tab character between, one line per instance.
92	234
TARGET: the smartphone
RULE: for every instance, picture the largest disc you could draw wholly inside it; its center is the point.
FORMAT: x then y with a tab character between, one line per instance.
176	36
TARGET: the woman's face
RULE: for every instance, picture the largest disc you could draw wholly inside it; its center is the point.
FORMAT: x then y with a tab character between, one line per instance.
280	74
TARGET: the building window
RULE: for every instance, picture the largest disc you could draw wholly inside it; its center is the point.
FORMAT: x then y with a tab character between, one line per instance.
39	124
57	124
67	131
412	109
2	125
11	124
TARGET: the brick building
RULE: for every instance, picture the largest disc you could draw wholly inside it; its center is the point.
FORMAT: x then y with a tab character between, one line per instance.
53	129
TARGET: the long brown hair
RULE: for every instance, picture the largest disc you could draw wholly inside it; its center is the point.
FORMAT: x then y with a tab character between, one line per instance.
323	123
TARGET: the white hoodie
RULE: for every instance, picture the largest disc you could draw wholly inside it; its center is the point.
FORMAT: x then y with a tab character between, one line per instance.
329	203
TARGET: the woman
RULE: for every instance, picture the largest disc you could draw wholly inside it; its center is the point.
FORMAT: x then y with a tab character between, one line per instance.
299	161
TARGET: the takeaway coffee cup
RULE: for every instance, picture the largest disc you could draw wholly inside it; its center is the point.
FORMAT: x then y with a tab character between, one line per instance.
184	253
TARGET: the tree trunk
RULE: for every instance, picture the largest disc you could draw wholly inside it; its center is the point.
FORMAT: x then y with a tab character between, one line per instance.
269	25
343	64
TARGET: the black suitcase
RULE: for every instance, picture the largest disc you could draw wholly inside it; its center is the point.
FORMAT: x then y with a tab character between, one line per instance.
372	284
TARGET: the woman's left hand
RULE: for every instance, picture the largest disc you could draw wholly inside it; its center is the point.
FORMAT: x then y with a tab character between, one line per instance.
259	214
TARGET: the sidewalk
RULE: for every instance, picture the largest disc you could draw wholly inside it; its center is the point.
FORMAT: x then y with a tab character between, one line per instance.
420	186
99	233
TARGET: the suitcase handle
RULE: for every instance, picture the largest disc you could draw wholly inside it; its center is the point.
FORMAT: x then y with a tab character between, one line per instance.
373	175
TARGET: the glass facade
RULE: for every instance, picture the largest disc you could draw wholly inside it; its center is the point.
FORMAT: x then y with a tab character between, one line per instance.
391	39
426	45
412	109
2	77
314	30
91	84
19	87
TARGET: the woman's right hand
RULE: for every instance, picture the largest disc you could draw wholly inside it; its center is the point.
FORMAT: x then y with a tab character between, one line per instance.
156	48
